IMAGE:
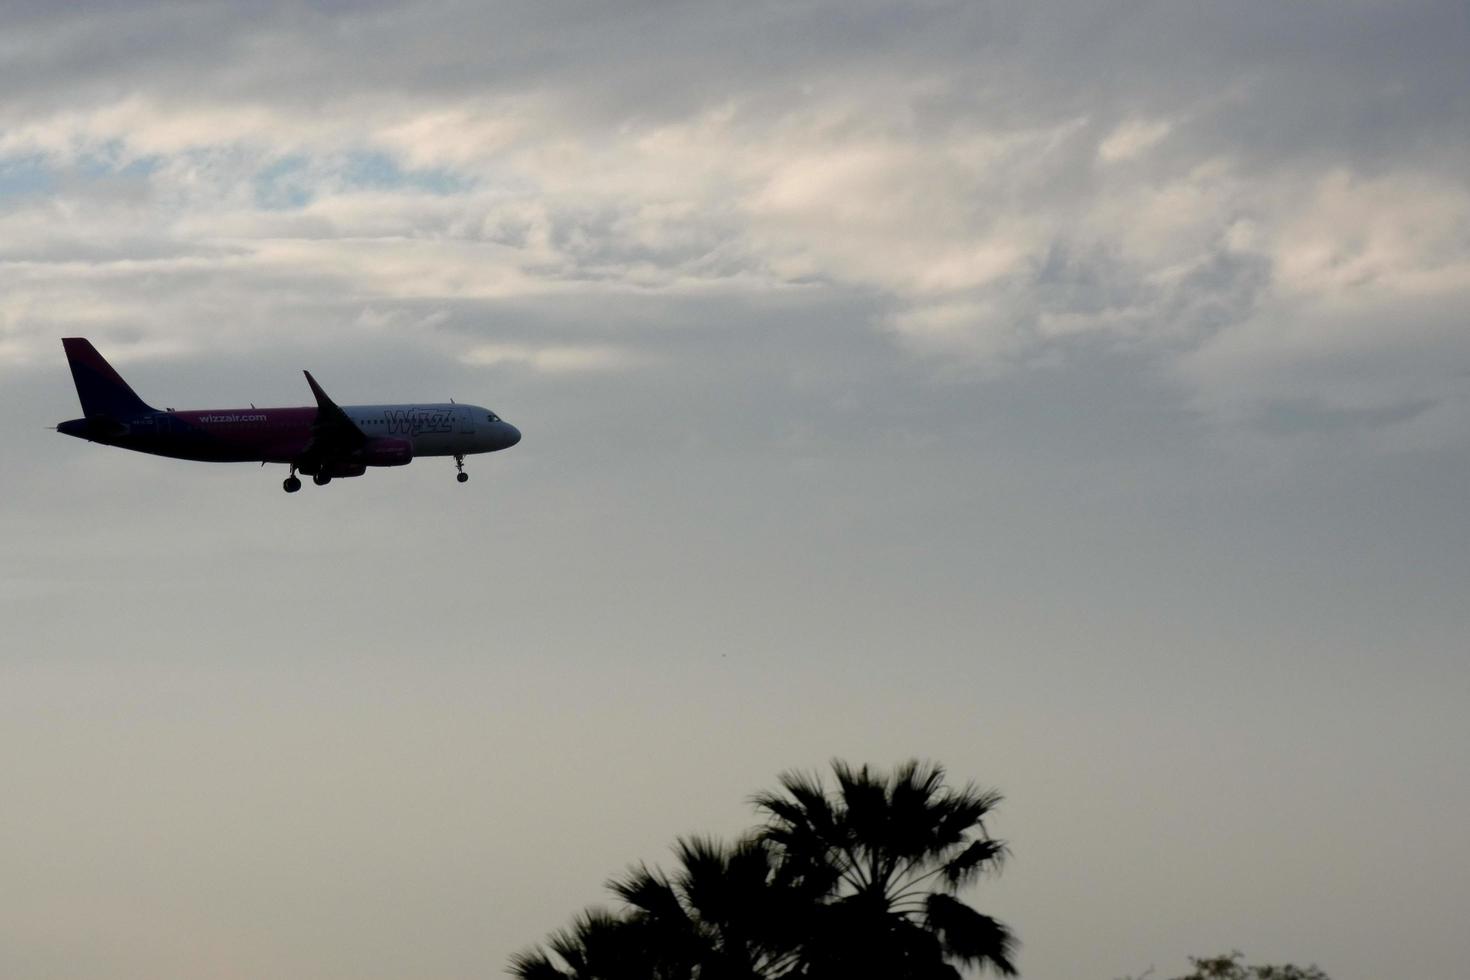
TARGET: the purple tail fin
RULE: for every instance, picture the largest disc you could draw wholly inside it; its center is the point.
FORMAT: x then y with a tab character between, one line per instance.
102	390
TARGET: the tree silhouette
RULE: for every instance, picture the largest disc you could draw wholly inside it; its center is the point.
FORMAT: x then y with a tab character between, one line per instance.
889	855
726	910
858	883
723	914
1229	967
597	946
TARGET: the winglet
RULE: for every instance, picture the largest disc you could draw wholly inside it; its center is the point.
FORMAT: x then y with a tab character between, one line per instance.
322	401
331	421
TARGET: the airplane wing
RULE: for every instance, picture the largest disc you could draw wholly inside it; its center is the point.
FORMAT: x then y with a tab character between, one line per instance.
333	434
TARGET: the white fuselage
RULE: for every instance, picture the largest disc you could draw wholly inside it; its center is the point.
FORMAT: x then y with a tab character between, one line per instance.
437	429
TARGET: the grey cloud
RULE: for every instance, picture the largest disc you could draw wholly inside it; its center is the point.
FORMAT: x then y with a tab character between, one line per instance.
1295	416
1092	284
1350	66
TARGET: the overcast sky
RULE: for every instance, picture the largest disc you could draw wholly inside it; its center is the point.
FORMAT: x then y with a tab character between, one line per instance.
1075	394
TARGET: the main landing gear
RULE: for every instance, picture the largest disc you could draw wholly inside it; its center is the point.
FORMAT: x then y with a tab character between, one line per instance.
292	483
462	477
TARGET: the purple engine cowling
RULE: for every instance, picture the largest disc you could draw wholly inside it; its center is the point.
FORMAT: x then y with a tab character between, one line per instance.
386	451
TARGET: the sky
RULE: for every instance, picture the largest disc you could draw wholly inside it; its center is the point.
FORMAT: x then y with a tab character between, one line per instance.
1073	394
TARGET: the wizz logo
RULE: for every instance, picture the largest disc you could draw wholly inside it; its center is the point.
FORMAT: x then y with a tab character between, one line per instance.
415	421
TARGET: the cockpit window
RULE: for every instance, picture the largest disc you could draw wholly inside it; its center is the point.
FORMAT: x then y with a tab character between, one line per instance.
492	416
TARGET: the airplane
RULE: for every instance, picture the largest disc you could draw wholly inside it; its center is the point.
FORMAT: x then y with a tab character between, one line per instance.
324	442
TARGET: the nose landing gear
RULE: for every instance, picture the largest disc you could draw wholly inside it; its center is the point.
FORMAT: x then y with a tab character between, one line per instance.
462	476
291	484
321	479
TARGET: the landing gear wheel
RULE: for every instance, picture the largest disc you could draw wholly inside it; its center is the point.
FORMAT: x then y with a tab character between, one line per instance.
291	484
463	477
322	479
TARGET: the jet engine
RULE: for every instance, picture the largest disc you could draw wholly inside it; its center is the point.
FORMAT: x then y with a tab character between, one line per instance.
386	451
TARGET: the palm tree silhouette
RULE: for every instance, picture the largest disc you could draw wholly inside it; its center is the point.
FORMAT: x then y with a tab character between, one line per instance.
860	882
722	915
596	946
725	911
889	855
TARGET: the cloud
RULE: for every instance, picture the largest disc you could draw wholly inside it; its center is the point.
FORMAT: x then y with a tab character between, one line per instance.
1290	416
1132	138
1077	186
552	359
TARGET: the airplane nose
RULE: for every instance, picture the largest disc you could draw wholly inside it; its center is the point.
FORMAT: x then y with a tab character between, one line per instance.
512	434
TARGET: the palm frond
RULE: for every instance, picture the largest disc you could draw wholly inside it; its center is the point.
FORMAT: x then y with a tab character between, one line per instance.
981	856
968	936
649	893
533	965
